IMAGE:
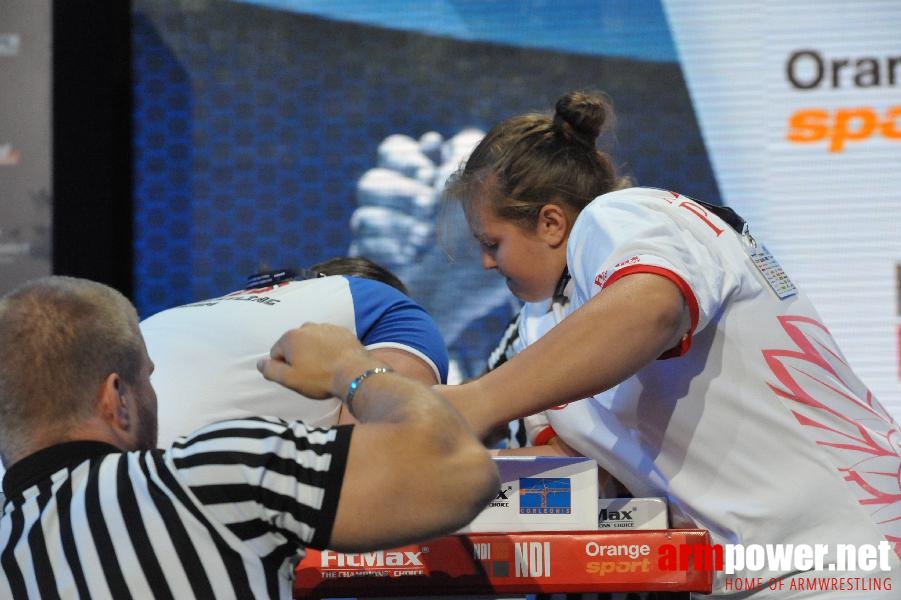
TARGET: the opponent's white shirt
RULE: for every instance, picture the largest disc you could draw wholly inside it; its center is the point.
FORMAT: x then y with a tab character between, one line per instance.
205	353
533	321
757	429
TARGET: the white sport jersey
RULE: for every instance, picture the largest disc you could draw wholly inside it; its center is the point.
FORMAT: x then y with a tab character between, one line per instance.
205	353
534	320
756	429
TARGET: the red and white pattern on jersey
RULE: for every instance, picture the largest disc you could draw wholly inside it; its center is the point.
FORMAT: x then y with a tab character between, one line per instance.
842	415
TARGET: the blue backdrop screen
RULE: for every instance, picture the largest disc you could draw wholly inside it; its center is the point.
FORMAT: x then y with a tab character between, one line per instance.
279	134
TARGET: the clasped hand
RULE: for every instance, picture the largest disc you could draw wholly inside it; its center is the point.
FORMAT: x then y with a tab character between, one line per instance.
310	358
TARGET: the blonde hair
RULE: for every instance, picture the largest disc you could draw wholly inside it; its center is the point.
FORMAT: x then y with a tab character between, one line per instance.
60	337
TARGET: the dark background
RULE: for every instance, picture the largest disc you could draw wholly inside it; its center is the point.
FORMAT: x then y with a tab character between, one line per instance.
92	168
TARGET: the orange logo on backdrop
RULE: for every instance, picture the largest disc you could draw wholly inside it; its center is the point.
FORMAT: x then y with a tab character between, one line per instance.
807	70
843	125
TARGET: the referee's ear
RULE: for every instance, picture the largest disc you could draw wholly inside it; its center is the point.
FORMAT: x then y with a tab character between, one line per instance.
112	404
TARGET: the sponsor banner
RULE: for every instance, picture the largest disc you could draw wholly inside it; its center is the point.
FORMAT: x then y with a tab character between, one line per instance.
502	563
799	107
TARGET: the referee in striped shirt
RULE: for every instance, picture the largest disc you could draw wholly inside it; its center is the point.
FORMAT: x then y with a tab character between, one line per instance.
94	510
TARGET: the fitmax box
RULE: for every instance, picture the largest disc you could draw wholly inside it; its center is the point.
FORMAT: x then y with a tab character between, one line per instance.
542	493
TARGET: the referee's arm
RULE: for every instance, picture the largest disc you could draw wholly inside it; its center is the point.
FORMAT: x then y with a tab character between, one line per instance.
414	470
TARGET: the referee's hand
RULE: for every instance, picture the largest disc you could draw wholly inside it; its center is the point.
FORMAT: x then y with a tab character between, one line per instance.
314	358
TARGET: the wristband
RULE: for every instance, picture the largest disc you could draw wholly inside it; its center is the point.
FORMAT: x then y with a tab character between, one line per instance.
352	388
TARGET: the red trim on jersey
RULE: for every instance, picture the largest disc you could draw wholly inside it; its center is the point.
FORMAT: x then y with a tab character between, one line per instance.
544	436
689	296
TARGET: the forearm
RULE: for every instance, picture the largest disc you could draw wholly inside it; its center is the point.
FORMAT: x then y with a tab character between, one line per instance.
421	417
409	439
384	397
596	347
400	361
414	468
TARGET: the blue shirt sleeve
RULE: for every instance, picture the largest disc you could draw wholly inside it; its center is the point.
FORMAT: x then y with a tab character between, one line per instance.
384	315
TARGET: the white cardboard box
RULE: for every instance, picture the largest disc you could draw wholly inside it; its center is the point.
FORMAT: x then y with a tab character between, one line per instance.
542	493
632	513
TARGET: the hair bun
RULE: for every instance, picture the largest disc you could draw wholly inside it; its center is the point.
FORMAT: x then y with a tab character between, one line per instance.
581	116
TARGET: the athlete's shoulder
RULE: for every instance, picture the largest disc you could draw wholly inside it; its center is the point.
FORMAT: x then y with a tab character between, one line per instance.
637	195
375	291
622	208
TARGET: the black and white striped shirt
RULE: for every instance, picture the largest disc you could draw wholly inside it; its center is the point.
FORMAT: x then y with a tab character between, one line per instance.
225	513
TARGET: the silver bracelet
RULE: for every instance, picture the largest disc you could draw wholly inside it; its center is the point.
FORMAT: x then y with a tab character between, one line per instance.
352	388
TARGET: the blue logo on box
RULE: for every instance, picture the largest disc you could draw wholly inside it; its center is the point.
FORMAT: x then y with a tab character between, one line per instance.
545	496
